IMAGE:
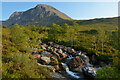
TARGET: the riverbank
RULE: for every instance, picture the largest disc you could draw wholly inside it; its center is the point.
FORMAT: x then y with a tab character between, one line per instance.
65	61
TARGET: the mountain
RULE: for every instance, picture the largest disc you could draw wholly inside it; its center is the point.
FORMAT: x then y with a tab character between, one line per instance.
112	21
40	15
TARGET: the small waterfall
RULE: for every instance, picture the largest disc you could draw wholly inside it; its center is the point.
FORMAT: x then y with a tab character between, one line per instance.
70	72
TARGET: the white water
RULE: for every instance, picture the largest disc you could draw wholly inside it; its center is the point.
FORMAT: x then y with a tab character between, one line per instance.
70	72
70	57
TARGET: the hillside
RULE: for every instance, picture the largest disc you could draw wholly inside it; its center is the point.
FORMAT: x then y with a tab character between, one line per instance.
78	49
40	15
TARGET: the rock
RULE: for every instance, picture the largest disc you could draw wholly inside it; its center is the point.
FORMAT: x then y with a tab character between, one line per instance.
89	71
83	52
78	69
56	45
58	76
54	57
61	56
71	51
78	53
50	43
36	56
47	66
60	51
85	58
40	42
64	55
51	68
43	47
45	60
65	49
57	54
57	67
55	49
45	53
50	49
61	46
75	62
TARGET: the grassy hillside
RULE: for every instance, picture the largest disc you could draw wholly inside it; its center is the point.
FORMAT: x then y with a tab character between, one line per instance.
97	37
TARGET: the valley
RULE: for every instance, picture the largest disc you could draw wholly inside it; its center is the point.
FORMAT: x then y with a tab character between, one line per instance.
45	43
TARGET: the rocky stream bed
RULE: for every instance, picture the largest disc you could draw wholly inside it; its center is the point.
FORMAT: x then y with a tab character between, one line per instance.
65	62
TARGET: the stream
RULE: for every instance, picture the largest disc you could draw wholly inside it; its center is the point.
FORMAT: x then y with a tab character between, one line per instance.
70	72
76	63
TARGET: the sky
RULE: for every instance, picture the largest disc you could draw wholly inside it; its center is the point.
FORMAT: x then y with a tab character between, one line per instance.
75	10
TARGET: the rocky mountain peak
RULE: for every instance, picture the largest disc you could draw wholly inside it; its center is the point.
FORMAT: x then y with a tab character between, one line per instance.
40	15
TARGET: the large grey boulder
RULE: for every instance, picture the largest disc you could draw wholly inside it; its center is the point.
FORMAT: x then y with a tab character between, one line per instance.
45	60
75	62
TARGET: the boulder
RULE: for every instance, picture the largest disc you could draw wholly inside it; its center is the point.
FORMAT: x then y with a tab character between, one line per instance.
54	57
47	66
75	62
55	49
78	53
43	47
45	53
85	58
71	51
57	67
58	76
51	68
78	69
50	43
53	61
64	55
60	51
61	46
44	60
50	49
65	49
36	56
56	45
90	71
57	54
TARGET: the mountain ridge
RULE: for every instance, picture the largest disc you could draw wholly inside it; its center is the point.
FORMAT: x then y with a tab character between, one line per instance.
38	15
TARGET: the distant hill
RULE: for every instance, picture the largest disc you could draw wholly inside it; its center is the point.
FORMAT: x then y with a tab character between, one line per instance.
47	15
40	15
113	21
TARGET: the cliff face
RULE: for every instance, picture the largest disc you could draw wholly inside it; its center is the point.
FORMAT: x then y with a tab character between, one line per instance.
40	15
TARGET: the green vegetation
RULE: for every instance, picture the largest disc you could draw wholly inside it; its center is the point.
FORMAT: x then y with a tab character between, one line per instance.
100	39
17	61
